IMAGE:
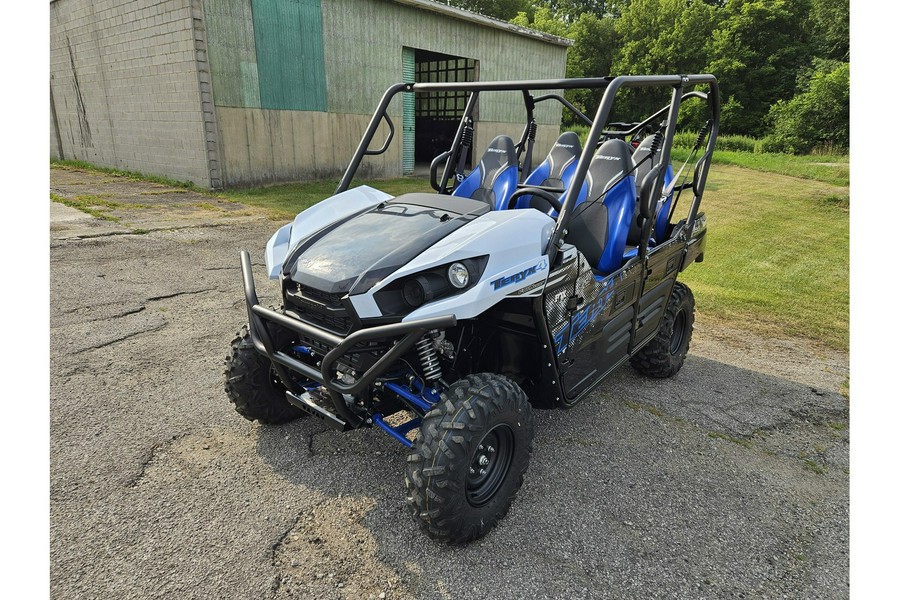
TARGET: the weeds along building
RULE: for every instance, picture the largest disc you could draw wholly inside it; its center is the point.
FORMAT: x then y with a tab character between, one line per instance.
229	92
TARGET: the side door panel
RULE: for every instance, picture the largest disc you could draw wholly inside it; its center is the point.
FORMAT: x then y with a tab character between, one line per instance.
663	265
592	325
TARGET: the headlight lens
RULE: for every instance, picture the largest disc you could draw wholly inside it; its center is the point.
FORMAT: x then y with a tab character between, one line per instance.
417	291
458	275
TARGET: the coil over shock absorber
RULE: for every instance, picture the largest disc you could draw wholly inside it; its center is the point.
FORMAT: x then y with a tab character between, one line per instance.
431	366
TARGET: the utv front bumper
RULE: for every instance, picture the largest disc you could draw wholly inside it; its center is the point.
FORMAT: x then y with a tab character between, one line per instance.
402	335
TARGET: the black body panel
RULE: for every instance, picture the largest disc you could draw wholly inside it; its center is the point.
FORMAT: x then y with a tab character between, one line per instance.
384	239
663	265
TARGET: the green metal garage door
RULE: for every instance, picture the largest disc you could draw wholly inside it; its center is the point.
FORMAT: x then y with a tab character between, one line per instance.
290	54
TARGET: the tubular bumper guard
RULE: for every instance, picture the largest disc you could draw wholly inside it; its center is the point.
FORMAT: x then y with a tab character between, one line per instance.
408	333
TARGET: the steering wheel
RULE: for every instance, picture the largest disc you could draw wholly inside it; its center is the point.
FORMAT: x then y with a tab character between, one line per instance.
543	193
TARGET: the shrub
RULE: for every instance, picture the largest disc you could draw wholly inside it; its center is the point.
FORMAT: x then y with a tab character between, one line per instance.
736	143
817	117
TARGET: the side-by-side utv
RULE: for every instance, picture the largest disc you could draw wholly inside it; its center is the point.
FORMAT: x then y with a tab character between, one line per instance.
445	318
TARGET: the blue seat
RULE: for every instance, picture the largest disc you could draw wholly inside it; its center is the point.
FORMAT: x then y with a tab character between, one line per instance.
599	226
495	178
557	170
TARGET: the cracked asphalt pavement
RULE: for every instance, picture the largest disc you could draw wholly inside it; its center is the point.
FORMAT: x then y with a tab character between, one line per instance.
729	480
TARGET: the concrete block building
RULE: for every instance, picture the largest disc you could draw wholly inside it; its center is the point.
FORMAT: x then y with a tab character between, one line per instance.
230	92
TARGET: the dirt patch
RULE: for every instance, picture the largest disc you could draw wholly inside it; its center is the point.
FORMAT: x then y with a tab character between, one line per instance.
140	206
188	457
795	359
323	555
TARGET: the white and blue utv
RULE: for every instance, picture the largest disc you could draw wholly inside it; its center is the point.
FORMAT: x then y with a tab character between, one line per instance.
445	318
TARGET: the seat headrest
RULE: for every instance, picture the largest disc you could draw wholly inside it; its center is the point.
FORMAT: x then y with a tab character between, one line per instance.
500	153
611	161
566	149
639	154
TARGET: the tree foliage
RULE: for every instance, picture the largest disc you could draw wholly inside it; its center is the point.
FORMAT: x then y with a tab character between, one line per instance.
589	56
775	59
499	9
661	36
819	116
570	10
757	52
831	28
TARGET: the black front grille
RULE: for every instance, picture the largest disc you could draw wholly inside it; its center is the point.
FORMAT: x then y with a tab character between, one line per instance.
314	294
318	308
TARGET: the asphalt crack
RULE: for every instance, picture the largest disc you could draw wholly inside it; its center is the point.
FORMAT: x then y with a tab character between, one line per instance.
176	294
132	311
122	338
147	461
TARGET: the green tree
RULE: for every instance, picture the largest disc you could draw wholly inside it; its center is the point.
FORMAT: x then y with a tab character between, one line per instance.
543	20
831	28
499	9
757	51
819	116
661	37
592	56
569	11
595	40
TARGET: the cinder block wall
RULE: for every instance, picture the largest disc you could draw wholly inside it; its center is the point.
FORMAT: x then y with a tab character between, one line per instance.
130	89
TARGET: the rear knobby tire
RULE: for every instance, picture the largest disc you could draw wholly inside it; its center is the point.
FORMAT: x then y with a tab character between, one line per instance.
469	458
253	386
664	355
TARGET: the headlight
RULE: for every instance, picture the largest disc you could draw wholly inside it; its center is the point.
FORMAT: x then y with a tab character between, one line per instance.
408	293
417	291
458	275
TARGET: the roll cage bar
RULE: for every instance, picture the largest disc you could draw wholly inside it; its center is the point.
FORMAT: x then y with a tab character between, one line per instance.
610	85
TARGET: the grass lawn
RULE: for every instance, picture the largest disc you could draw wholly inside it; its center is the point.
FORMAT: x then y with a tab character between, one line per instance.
777	254
833	169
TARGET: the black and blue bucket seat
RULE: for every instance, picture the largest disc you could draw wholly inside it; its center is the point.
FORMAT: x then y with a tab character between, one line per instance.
600	225
665	205
494	179
557	170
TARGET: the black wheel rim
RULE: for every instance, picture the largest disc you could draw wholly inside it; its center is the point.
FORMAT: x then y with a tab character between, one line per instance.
490	465
678	330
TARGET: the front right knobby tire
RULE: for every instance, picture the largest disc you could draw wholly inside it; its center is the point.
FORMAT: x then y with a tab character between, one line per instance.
469	458
664	355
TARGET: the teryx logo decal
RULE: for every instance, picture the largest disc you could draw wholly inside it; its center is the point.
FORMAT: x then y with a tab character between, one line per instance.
580	320
520	276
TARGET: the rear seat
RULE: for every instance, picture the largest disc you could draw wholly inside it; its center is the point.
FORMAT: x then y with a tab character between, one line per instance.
659	229
557	170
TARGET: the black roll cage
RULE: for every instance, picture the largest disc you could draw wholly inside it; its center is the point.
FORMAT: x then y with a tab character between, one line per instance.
610	85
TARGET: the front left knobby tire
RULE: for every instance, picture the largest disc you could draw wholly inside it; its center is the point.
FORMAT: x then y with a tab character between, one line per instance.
253	386
469	459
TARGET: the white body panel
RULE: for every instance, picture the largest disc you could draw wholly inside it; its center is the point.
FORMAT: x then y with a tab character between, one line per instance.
514	241
315	218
